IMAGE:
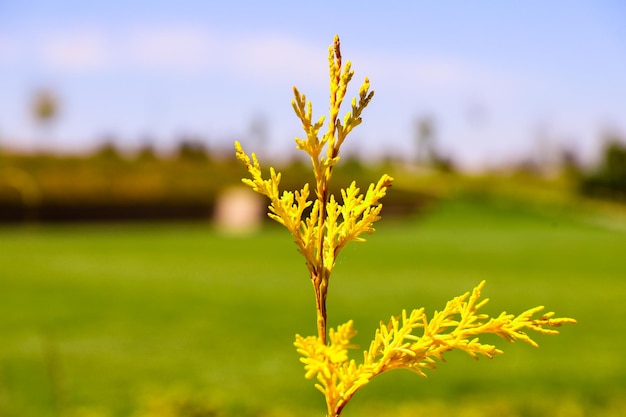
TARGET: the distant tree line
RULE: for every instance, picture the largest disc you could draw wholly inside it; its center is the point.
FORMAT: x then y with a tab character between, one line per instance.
608	179
110	183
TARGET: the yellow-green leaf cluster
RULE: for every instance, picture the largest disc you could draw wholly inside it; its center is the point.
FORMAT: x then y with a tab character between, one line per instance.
286	208
413	342
342	223
321	228
329	224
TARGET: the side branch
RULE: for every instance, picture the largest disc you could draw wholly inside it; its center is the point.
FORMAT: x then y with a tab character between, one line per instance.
397	346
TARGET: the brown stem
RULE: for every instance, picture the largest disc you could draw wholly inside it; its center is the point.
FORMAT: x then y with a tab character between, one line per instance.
320	301
339	409
320	279
322	176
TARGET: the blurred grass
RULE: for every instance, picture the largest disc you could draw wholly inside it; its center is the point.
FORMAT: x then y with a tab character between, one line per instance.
97	316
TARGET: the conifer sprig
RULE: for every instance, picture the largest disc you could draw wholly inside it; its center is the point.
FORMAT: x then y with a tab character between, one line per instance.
410	341
331	225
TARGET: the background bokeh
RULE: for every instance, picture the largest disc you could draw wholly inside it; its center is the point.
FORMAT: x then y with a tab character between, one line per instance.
498	80
138	279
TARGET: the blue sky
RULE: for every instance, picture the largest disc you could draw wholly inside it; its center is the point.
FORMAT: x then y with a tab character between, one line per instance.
500	79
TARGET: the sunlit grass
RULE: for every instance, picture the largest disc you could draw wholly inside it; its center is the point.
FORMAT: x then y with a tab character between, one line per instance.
96	315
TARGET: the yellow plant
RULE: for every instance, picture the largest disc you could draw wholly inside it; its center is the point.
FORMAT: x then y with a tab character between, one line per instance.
322	232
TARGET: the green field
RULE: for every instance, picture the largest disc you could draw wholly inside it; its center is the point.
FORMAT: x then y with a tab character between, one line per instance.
116	319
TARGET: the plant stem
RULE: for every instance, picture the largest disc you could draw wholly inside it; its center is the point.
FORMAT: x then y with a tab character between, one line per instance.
320	302
320	280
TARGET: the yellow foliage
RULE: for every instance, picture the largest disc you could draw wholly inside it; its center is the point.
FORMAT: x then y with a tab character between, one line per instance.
322	234
397	346
329	226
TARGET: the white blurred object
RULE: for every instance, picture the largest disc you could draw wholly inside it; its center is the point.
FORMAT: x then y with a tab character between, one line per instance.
239	211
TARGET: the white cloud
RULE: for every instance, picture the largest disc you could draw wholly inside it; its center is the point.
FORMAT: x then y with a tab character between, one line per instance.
77	50
440	75
276	57
188	50
9	49
170	49
177	49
